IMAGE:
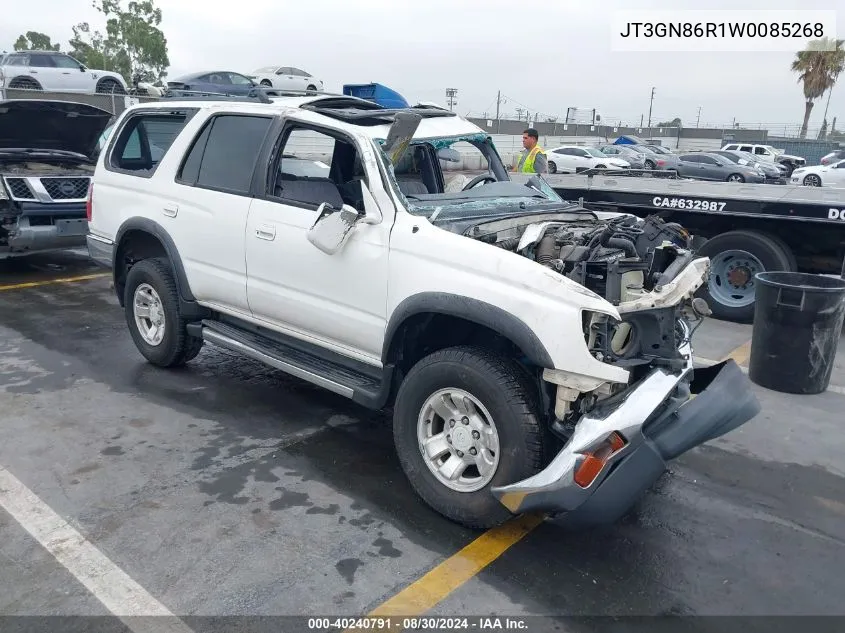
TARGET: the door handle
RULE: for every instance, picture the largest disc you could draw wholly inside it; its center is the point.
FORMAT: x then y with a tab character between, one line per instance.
170	210
266	232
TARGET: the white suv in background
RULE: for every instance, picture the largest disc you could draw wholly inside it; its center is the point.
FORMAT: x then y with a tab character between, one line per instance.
570	159
769	153
54	71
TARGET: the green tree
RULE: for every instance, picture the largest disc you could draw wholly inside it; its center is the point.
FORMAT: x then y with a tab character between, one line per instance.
676	122
89	47
818	68
132	44
35	41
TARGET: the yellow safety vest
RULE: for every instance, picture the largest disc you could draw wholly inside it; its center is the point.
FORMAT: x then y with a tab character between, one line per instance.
528	166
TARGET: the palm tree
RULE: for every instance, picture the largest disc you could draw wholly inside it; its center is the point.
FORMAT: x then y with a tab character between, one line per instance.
818	67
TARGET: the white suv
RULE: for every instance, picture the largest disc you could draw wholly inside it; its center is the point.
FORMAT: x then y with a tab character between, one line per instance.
769	153
50	70
536	355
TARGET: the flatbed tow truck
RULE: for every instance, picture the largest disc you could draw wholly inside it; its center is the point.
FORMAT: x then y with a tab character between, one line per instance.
744	228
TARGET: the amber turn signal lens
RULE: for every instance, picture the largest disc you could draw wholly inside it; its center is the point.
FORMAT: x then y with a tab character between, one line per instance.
595	461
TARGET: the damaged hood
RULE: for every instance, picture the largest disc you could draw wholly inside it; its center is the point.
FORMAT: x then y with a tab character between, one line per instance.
51	125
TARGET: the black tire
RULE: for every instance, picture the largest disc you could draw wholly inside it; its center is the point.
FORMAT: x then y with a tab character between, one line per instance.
787	250
177	347
502	388
735	178
311	89
24	83
552	167
600	167
649	164
266	82
110	86
769	251
812	180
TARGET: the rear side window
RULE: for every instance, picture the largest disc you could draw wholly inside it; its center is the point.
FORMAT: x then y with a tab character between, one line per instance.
224	154
144	140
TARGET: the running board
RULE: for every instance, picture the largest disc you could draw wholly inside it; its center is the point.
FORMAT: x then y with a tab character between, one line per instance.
333	376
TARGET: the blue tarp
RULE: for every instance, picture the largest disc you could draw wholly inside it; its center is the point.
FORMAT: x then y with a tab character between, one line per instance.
629	140
376	93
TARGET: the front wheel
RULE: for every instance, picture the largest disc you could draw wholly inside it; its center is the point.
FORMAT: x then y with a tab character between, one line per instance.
650	165
464	422
552	167
812	180
151	303
736	178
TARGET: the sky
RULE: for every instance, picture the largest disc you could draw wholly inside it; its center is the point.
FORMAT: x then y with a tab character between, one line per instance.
544	56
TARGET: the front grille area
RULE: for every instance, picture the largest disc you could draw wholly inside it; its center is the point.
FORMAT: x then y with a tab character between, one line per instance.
19	189
66	188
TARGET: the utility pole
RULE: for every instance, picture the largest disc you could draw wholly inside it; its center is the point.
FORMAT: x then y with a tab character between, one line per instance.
498	120
519	114
451	93
641	119
699	116
650	103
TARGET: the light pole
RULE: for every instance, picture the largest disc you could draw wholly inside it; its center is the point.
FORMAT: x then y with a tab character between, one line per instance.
451	93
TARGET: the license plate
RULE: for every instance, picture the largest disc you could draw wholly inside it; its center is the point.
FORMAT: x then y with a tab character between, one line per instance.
72	227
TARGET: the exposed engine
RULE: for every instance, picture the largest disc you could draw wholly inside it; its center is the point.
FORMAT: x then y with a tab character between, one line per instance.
614	258
622	259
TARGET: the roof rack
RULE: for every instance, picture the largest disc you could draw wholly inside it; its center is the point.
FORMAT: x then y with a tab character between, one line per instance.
198	95
363	112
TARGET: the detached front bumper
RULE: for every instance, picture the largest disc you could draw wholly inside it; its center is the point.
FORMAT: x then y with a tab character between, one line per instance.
27	237
658	420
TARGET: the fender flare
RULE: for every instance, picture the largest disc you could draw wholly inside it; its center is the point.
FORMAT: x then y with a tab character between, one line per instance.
486	314
156	230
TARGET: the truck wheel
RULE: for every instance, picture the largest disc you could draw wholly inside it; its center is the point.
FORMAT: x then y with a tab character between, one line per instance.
735	258
151	304
464	421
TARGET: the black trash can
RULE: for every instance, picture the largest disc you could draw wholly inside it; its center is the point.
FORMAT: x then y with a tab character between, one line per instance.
798	319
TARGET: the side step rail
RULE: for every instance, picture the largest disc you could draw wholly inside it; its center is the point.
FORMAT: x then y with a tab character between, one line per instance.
332	376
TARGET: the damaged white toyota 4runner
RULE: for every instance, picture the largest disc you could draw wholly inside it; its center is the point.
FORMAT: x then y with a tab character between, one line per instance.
535	355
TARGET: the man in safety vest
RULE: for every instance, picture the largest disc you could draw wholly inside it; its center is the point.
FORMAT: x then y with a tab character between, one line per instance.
532	160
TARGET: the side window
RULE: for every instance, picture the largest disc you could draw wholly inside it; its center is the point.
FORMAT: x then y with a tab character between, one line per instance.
224	154
299	73
40	60
760	150
285	70
17	60
143	141
63	61
745	148
708	160
691	158
238	80
316	167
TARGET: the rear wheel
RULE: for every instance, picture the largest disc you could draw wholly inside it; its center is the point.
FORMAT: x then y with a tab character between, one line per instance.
812	180
266	82
736	178
552	167
151	303
649	164
311	88
735	258
24	83
464	422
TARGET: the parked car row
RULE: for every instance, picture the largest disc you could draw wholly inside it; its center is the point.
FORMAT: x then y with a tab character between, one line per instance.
59	72
724	164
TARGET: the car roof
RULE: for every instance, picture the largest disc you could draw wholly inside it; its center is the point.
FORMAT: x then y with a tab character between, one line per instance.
340	112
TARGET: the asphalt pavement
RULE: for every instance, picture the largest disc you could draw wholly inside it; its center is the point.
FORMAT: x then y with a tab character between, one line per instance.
229	489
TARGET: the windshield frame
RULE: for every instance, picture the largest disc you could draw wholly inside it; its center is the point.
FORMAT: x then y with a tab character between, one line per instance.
430	207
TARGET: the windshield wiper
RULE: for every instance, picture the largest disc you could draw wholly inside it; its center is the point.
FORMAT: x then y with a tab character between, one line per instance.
31	151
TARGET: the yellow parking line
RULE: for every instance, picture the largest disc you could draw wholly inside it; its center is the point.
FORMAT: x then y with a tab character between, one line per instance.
47	282
437	584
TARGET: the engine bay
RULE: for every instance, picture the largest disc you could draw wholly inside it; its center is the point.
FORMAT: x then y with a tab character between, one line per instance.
623	259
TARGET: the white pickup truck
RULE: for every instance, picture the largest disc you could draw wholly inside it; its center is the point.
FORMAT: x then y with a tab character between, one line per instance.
536	356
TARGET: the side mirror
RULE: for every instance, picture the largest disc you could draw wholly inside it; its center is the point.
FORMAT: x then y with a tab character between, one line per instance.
332	228
449	155
82	68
